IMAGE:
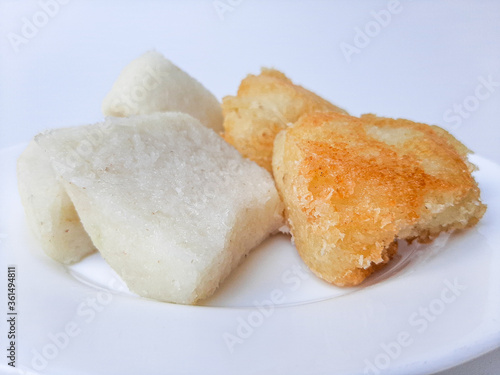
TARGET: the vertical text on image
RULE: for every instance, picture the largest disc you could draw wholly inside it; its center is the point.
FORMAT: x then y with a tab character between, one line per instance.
11	316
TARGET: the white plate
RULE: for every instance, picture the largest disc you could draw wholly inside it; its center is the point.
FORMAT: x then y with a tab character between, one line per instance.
436	307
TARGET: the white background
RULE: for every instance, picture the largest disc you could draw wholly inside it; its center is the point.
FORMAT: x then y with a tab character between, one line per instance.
430	56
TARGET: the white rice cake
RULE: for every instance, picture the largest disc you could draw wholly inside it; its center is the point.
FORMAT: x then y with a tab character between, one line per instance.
151	83
49	211
169	204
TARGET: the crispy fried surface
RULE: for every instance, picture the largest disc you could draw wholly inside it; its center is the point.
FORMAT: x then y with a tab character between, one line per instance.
352	186
264	105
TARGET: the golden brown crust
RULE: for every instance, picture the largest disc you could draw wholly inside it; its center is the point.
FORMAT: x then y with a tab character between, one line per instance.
352	186
265	105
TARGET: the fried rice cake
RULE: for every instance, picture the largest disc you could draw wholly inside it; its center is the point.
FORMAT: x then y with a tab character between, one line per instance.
265	105
353	186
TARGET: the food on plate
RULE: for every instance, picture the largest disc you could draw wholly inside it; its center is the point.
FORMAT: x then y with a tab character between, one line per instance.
353	186
49	211
151	83
170	206
265	105
173	207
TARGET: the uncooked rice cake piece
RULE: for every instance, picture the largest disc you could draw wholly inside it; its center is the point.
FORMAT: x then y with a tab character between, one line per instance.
171	206
151	83
265	105
50	213
352	186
